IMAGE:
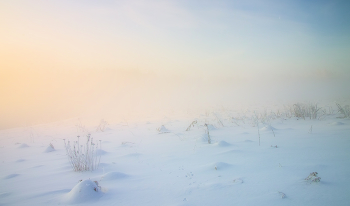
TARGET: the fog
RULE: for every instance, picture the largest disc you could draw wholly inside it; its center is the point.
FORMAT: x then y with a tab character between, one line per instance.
133	60
34	96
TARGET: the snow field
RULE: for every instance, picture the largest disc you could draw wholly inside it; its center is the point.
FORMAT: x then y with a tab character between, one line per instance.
141	165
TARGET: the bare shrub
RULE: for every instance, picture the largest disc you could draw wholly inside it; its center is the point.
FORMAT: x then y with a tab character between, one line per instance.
344	110
83	157
306	110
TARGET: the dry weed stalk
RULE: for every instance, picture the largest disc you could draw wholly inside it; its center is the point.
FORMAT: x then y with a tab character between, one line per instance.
83	157
207	132
191	125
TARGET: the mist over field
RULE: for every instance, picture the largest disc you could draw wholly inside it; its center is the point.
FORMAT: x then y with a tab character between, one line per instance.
175	102
136	59
32	97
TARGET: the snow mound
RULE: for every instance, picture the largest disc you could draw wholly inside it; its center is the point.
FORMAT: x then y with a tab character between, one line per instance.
113	176
84	191
2	195
282	195
49	149
223	144
23	145
162	129
133	155
268	128
215	186
127	144
234	151
104	165
100	152
20	160
11	176
221	165
336	123
203	138
238	181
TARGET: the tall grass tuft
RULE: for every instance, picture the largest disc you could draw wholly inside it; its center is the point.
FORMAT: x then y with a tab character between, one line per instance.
306	110
83	157
344	110
207	132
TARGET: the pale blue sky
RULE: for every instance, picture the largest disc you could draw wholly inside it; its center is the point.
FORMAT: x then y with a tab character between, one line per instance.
185	37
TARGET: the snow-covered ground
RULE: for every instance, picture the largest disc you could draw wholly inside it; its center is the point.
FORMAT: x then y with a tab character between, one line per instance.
158	162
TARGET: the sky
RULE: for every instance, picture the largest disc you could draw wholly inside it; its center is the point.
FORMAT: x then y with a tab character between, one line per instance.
62	59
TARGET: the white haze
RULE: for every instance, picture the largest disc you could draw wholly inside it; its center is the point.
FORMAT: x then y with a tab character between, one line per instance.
30	97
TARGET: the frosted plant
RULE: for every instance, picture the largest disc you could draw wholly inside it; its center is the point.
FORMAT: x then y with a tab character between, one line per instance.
51	145
83	157
102	126
282	195
219	120
98	187
306	110
310	130
81	129
238	180
191	125
344	110
313	177
207	132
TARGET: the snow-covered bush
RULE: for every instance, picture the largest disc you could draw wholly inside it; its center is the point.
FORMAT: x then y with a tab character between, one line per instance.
313	177
50	148
84	191
162	129
83	157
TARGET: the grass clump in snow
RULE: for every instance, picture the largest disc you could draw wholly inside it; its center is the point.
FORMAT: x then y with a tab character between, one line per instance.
207	133
306	110
313	177
83	157
344	110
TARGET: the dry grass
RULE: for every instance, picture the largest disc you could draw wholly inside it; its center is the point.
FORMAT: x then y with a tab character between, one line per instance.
83	157
344	110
